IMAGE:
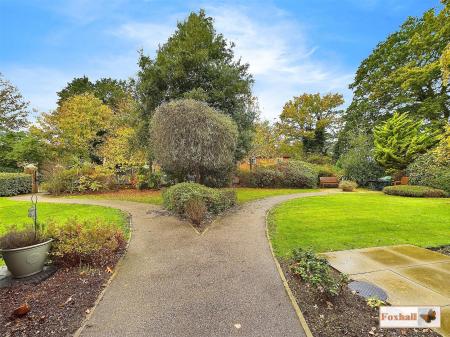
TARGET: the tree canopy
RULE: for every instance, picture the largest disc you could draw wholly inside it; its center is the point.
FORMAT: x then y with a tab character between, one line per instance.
78	127
399	140
189	138
110	91
311	119
408	72
197	62
13	107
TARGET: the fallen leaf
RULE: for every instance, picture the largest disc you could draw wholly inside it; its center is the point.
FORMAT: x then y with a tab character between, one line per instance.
403	332
22	310
67	301
329	305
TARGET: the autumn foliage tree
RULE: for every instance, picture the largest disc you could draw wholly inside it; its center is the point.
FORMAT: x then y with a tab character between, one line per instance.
312	120
77	127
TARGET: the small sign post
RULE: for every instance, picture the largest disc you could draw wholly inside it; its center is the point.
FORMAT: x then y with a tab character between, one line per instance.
32	212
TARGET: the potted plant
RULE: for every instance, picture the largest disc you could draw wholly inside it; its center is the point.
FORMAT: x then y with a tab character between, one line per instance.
25	251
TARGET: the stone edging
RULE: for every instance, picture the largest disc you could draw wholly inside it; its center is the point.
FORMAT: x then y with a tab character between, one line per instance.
106	285
299	313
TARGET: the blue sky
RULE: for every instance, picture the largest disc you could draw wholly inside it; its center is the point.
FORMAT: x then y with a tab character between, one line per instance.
292	46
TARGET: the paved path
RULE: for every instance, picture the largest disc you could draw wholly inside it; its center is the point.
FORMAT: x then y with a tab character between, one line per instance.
174	282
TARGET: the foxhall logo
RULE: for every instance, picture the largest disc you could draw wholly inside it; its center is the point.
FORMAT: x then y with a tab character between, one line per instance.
410	317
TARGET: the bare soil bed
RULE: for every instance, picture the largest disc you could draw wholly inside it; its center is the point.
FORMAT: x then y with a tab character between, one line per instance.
57	306
443	250
346	316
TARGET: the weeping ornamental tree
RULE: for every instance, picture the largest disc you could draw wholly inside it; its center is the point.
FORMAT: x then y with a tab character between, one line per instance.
399	140
189	138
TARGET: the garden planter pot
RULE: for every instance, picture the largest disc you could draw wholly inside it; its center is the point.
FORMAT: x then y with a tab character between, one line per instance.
26	261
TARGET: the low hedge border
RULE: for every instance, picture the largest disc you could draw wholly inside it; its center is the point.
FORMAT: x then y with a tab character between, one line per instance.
14	184
415	191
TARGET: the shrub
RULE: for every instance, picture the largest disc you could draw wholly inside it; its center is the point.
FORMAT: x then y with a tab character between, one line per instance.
426	170
77	243
60	180
5	169
87	178
14	184
327	171
22	238
261	177
189	138
348	185
318	159
315	271
415	191
176	197
292	173
196	210
358	163
148	179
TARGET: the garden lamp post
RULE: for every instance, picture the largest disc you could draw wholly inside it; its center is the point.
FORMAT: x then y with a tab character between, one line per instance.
32	169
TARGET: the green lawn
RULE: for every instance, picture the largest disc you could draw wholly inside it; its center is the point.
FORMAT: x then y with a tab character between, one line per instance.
154	197
146	196
15	213
245	194
357	220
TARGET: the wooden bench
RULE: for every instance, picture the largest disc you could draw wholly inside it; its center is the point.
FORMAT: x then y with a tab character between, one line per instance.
403	181
328	182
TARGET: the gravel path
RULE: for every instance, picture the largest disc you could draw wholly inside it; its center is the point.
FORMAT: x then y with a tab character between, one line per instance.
174	282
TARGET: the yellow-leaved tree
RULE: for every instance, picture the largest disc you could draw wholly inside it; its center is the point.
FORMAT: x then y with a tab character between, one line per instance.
78	127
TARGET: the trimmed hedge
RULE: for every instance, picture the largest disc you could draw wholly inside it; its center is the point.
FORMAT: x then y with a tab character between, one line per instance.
415	191
295	174
14	184
177	196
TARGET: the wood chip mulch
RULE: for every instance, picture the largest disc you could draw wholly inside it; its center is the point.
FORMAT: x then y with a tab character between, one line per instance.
54	307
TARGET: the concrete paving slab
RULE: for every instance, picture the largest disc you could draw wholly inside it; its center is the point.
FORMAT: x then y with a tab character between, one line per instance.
445	322
388	258
430	276
403	291
443	266
352	262
419	253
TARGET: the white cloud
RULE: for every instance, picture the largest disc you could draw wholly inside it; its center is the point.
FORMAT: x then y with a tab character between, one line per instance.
145	35
281	58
